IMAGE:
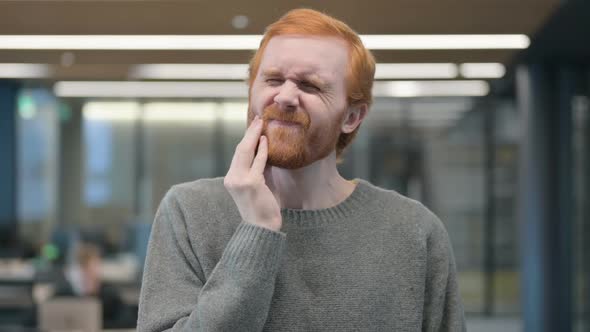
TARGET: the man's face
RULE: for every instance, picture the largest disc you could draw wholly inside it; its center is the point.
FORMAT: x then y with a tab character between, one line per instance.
300	93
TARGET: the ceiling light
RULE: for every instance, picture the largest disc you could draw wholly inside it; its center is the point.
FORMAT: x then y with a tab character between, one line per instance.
118	89
190	71
249	42
122	89
444	42
24	70
240	71
415	70
129	42
482	70
110	111
403	89
382	71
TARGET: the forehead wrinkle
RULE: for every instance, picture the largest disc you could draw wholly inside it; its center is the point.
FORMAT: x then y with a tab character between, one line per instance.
279	55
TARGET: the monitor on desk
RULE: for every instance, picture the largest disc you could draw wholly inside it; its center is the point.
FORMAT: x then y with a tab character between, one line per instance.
70	313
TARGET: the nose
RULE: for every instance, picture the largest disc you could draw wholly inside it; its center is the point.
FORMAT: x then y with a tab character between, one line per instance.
288	96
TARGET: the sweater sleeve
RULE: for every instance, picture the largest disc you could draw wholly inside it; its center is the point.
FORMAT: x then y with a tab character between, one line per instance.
443	308
235	297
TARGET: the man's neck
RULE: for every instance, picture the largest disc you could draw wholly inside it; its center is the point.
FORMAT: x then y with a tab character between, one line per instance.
316	186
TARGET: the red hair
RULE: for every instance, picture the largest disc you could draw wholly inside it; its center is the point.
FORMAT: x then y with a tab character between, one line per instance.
361	63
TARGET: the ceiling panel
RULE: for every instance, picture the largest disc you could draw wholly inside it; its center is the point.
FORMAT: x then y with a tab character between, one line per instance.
214	17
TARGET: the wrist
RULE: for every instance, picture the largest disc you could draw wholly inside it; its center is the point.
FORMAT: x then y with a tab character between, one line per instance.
272	225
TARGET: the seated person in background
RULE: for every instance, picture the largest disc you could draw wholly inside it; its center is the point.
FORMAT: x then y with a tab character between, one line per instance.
83	278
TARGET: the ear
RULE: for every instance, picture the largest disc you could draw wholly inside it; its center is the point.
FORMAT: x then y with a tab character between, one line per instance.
355	115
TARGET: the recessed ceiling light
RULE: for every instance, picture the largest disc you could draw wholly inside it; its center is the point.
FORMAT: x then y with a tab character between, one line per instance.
189	71
24	70
67	59
445	42
402	89
135	89
415	70
482	70
240	22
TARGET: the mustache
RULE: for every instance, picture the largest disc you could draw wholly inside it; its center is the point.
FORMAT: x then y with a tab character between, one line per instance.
273	112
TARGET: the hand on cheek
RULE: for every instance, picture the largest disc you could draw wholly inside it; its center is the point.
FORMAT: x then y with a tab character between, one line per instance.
246	183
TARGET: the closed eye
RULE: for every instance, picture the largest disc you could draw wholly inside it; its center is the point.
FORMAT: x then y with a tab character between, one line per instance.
309	87
274	81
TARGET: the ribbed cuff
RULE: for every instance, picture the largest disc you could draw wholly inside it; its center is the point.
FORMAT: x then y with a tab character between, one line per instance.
254	248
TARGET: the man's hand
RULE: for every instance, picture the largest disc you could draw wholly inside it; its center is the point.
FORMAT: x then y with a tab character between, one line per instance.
246	184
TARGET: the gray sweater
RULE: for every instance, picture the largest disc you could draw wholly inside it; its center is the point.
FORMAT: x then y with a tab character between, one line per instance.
375	262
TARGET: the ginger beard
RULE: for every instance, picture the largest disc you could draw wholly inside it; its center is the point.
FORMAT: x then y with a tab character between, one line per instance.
292	142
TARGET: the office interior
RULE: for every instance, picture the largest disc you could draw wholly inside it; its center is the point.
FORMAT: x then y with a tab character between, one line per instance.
490	130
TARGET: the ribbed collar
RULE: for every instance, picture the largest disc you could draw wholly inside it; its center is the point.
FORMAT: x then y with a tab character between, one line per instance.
352	204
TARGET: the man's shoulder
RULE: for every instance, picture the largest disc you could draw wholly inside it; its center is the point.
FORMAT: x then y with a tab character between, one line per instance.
404	208
391	199
201	203
206	185
198	192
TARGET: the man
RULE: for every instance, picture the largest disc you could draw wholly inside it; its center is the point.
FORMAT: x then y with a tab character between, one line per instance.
283	242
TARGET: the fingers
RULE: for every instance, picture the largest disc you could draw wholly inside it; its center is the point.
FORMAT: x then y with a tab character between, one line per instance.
261	156
246	148
252	133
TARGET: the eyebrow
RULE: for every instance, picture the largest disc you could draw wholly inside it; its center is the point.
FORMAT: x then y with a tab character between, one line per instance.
271	72
310	77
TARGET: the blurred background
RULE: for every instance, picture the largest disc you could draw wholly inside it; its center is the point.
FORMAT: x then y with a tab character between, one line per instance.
481	111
